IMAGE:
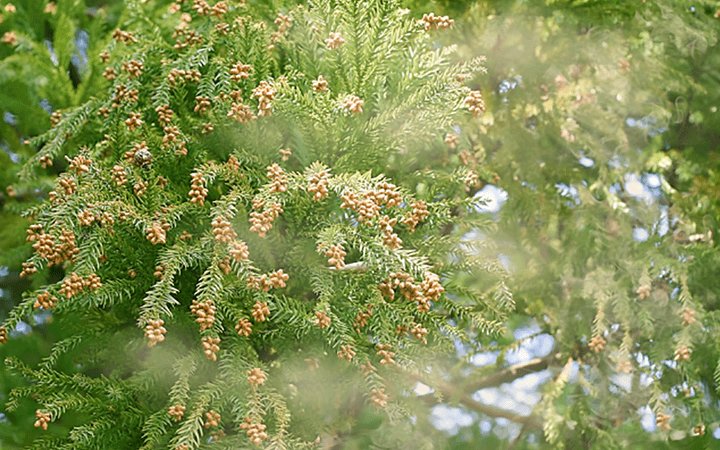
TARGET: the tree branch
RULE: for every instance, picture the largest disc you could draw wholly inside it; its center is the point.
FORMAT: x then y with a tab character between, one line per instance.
510	374
452	392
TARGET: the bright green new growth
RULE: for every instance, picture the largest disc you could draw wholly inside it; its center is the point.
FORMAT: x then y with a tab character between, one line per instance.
249	267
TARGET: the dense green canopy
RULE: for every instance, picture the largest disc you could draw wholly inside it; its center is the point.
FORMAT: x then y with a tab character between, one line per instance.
567	153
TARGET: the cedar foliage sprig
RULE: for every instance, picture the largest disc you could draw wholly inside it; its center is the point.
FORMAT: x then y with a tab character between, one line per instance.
214	229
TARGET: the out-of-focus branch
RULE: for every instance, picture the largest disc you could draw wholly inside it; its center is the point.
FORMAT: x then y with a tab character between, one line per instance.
452	392
510	374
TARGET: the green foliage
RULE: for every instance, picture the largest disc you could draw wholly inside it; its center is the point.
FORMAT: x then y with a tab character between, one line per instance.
179	214
583	117
601	123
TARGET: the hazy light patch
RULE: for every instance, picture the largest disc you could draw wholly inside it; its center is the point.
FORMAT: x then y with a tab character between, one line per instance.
645	380
531	347
492	197
509	84
642	360
534	345
423	389
41	317
568	191
3	418
716	433
10	119
653	180
684	387
486	427
505	261
51	51
531	381
6	148
82	43
573	372
45	104
503	422
472	235
484	359
544	344
449	419
507	403
640	234
648	419
488	396
460	348
618	161
647	123
22	328
662	225
670	363
526	331
518	356
587	162
4	271
635	187
521	397
508	432
523	410
622	380
527	398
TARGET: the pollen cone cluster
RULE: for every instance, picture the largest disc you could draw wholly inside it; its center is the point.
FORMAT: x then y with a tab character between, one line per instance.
198	191
155	331
318	185
256	377
222	230
176	412
337	254
264	282
205	313
255	429
210	346
262	222
45	301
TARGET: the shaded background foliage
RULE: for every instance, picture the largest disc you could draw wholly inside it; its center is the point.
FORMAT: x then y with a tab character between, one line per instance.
602	128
